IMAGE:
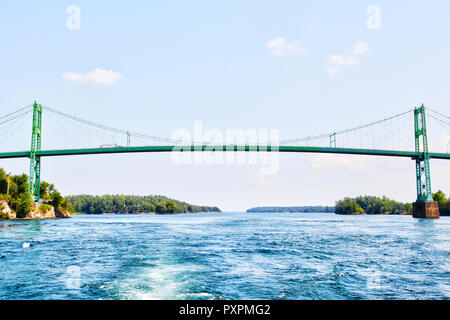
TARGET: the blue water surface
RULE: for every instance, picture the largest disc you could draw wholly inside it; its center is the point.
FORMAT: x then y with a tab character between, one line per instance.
226	256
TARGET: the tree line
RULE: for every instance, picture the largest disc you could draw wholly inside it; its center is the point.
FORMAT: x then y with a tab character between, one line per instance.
443	201
376	205
14	190
133	204
372	205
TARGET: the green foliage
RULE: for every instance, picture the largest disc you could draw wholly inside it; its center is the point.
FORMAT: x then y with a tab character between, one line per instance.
67	206
5	197
43	208
56	199
445	209
46	189
172	207
371	205
444	203
348	206
20	199
440	198
3	181
133	204
18	185
167	207
52	195
18	196
161	207
22	204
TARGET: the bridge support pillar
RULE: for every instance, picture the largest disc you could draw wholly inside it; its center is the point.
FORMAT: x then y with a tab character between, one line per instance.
424	209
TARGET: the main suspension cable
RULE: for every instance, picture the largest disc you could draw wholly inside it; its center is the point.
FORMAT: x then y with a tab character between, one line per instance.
345	130
104	127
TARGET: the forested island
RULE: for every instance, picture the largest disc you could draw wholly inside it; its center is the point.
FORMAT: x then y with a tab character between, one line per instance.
372	205
362	205
17	203
384	205
359	205
133	204
304	209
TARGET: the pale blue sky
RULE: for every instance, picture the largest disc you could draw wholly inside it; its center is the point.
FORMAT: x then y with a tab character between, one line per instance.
182	61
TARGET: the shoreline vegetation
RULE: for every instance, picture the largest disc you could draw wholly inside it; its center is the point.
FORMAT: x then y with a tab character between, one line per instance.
443	202
16	202
372	205
126	204
363	205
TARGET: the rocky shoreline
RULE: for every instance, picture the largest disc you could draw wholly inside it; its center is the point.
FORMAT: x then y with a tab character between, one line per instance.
37	212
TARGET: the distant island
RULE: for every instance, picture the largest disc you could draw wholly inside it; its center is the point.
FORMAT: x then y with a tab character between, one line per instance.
134	204
348	206
362	205
372	205
304	209
384	205
17	203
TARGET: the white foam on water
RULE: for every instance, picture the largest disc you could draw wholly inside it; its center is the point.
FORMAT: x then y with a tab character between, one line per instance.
249	268
185	229
200	295
161	282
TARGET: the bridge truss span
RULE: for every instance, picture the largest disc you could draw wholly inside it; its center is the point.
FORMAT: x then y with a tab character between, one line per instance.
374	139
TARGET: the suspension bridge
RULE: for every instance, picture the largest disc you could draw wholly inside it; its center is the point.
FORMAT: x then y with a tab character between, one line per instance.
380	138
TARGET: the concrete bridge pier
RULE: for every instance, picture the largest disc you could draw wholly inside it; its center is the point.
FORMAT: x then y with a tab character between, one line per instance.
426	209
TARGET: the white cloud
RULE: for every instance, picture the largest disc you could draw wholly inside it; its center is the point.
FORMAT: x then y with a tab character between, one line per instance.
342	60
97	76
361	47
281	47
335	62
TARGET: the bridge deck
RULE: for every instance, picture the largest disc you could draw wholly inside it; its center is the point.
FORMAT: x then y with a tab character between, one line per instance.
231	148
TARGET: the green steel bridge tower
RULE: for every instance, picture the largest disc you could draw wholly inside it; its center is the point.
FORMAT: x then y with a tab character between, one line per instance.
423	162
34	186
424	207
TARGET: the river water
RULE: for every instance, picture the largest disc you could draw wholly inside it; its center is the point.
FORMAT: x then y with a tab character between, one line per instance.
226	256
